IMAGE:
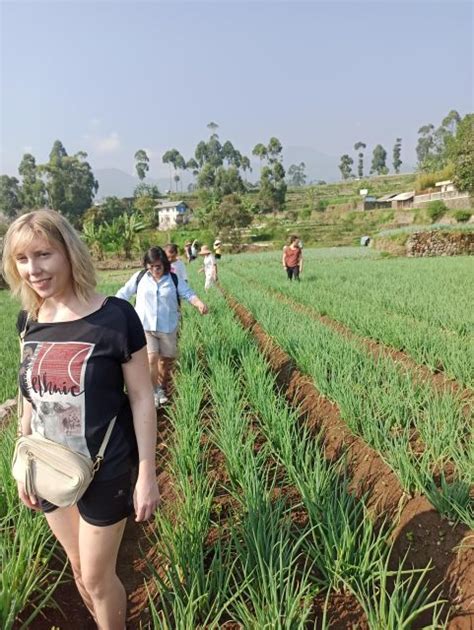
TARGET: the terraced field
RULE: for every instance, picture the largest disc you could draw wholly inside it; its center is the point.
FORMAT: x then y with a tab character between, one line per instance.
316	462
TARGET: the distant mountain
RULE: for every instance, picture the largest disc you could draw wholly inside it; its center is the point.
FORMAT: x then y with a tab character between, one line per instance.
116	183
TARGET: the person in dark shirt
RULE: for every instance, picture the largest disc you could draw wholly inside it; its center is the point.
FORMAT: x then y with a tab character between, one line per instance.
80	351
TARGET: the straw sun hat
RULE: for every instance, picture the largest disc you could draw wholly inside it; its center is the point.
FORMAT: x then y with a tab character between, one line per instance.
204	250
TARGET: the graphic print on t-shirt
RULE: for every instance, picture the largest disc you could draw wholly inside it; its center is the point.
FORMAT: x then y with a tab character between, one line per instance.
54	374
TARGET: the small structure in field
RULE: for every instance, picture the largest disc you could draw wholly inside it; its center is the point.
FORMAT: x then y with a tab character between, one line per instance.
403	200
446	186
171	214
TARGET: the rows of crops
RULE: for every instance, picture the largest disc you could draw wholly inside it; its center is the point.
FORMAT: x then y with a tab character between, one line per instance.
421	432
422	306
263	530
259	528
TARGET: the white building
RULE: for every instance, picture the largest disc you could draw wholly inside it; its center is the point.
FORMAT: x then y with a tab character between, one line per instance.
172	213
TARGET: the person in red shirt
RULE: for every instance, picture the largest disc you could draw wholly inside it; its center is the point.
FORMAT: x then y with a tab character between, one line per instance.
292	258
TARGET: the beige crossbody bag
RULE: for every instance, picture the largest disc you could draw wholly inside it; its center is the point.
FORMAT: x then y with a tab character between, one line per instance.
52	471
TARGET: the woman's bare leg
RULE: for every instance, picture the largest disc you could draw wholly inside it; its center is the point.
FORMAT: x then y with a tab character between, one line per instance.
99	548
153	360
164	372
64	523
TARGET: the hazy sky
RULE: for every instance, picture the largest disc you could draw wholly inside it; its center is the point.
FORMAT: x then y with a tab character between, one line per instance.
110	77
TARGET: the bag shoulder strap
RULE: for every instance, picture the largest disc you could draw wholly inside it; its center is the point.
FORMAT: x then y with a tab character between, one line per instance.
175	279
139	277
100	455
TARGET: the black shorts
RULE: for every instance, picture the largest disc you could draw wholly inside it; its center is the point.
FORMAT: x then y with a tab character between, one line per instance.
104	502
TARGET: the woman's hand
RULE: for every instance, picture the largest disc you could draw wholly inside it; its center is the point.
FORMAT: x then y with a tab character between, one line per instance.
28	499
146	497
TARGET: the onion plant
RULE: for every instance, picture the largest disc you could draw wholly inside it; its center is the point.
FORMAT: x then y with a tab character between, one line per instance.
378	401
27	547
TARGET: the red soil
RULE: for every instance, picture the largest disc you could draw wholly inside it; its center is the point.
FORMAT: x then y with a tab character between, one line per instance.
430	536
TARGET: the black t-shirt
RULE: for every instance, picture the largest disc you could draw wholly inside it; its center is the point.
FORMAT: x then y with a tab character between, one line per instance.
72	374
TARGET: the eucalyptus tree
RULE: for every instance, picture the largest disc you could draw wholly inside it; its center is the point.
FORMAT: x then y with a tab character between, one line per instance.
174	159
193	166
260	151
245	164
397	149
345	166
201	153
272	193
274	150
33	192
70	182
142	165
213	127
434	144
461	153
10	196
297	175
359	146
379	161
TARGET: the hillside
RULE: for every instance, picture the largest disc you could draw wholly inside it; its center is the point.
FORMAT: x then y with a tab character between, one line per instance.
342	222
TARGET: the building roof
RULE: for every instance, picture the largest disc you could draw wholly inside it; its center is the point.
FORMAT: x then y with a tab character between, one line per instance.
387	197
404	196
167	204
445	182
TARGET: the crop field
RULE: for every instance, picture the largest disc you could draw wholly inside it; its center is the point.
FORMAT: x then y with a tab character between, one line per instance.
316	462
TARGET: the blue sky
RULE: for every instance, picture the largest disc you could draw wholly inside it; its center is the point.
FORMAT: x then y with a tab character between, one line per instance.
111	77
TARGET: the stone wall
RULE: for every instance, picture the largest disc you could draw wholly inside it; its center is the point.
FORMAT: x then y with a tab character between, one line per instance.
440	243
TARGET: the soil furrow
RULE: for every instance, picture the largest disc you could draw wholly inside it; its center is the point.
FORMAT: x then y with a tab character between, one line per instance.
439	380
422	534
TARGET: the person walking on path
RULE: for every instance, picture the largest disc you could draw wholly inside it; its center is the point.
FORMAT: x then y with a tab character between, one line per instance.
194	250
177	265
209	267
292	258
158	292
81	349
187	251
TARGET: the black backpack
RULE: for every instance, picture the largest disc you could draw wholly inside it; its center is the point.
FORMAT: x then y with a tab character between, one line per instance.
174	277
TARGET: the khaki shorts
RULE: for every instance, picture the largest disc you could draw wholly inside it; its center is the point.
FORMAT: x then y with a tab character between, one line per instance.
164	344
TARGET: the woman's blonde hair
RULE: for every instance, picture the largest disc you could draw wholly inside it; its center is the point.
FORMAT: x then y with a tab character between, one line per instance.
57	231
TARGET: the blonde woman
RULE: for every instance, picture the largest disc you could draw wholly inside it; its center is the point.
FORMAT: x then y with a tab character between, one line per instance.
81	349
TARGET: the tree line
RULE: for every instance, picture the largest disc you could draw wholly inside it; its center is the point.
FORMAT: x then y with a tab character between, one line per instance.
450	145
379	160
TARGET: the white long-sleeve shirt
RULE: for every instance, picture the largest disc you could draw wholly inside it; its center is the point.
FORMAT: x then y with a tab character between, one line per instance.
157	302
179	269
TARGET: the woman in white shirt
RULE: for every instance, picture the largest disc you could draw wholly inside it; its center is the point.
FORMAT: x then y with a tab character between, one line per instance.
209	267
158	309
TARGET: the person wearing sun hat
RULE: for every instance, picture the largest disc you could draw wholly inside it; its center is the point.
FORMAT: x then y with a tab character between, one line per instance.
217	249
209	267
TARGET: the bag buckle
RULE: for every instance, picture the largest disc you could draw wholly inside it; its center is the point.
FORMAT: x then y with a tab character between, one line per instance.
97	463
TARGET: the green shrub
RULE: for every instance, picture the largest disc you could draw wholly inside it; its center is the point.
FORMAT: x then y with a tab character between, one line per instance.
322	205
305	213
435	210
428	180
462	216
